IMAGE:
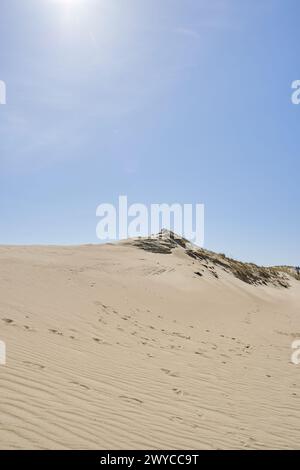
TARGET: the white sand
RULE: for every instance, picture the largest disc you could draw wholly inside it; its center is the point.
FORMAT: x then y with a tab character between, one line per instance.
113	347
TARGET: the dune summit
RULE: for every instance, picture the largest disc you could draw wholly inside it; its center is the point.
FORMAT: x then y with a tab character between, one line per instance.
148	343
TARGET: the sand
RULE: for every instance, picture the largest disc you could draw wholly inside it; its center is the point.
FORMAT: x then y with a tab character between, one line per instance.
113	347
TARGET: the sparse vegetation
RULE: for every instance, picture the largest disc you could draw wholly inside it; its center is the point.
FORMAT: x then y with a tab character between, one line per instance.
165	242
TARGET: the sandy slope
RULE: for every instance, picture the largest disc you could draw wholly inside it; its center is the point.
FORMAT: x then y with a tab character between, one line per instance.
114	347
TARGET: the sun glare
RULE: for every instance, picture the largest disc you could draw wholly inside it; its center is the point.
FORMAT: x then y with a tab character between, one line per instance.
68	8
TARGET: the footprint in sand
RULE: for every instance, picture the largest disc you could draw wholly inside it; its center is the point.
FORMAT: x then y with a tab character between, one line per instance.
55	332
34	364
202	354
126	317
80	385
178	391
100	341
168	372
130	399
28	328
176	418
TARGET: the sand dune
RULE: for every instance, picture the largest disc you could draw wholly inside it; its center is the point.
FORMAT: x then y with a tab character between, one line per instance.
118	347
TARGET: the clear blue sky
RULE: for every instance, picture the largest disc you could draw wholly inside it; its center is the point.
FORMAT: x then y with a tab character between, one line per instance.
162	100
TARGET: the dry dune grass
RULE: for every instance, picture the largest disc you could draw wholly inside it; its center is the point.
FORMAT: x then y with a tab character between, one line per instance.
120	347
